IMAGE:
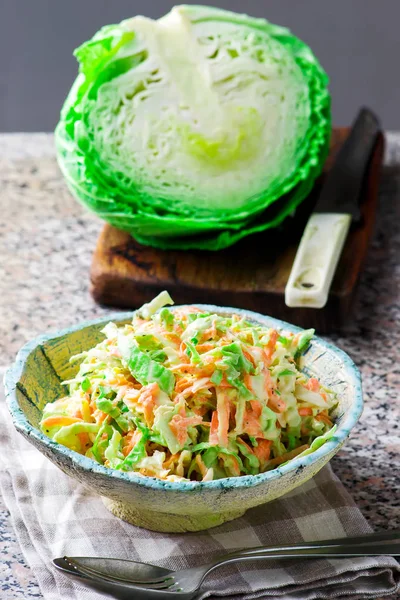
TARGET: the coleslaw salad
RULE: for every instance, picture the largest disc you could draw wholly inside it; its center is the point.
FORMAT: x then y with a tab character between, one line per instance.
183	394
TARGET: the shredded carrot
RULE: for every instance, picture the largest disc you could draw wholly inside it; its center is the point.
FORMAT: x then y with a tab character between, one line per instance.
276	404
210	333
86	411
167	464
223	407
251	419
172	336
249	357
202	467
83	439
249	448
305	411
130	440
99	416
313	384
182	353
213	439
256	407
179	426
268	383
247	381
201	411
204	347
148	400
270	348
263	451
183	383
59	420
324	419
287	456
224	383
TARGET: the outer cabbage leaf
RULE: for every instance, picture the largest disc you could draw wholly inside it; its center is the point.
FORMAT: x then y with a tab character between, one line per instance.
184	131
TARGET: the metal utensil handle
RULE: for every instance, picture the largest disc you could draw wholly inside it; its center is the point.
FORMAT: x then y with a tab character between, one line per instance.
388	549
370	538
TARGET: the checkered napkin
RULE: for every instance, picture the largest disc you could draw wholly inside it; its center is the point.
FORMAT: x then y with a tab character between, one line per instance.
53	516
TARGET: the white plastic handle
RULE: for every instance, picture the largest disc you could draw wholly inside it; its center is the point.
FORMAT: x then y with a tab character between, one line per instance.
316	260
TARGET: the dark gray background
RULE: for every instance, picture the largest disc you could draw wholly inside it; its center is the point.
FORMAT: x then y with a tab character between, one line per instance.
357	41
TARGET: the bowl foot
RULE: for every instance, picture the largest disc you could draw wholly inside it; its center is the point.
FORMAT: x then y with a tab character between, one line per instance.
167	522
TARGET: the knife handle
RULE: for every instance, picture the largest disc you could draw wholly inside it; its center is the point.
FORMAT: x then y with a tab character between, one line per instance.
316	260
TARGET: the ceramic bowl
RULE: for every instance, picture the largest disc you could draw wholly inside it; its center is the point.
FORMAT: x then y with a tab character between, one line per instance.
35	379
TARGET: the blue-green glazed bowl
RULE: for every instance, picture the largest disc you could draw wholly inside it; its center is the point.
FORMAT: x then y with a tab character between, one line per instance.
35	379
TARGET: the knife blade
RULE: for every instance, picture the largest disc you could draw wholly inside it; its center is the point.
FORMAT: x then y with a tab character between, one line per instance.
337	206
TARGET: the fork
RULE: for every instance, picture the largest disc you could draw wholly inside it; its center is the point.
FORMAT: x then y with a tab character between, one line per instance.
123	578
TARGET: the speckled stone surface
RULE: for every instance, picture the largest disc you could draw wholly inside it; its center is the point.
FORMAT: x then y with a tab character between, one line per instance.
46	241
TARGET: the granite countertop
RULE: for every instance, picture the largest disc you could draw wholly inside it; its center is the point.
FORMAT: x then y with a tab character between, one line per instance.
46	242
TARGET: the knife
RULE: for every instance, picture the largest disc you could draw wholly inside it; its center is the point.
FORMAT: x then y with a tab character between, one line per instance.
324	236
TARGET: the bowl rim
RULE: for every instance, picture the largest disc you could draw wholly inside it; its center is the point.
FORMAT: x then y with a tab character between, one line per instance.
13	374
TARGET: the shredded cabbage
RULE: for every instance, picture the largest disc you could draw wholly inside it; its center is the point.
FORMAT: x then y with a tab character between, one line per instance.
225	397
152	307
185	130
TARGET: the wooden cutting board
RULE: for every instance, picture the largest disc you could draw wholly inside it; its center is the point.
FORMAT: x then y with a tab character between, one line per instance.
251	274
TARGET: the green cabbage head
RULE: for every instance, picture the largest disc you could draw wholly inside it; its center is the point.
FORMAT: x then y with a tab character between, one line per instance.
196	129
